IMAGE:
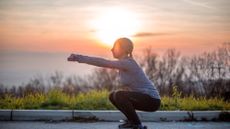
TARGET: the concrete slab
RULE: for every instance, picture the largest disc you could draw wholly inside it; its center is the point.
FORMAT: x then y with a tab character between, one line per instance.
163	115
205	115
106	115
31	115
103	115
5	114
149	116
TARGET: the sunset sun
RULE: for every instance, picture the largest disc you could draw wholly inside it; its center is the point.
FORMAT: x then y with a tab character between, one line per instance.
115	23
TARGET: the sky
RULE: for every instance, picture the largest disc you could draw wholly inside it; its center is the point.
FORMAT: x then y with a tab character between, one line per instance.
36	36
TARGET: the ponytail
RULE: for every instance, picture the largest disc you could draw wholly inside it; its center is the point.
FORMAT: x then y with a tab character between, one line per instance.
131	55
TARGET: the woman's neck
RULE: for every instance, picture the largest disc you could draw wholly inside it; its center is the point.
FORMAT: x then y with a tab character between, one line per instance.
122	57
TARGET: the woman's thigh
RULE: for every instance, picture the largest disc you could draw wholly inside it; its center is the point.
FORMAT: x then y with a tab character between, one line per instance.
143	102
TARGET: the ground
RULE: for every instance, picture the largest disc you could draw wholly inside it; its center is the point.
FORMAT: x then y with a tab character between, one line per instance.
111	125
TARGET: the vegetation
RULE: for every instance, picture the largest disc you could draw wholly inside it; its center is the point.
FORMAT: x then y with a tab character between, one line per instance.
199	82
98	100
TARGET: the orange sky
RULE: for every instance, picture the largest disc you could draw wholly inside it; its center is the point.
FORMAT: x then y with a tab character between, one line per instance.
57	26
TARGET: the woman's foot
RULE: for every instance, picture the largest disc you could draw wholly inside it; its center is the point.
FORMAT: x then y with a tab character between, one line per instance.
126	125
139	127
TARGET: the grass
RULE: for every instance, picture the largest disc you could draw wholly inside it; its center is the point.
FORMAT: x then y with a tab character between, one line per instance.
98	100
190	103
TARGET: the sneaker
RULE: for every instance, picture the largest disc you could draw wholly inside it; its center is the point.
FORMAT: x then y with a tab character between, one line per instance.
126	125
139	127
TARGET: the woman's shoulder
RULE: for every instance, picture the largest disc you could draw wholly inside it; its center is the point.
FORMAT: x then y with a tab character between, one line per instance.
131	63
128	60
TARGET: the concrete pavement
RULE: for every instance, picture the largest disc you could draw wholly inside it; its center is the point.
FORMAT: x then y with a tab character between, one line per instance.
110	125
109	115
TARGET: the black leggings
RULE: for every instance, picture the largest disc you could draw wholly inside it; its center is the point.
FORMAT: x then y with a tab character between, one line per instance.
128	101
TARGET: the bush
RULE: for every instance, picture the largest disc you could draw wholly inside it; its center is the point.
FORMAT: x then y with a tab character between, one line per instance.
93	100
56	99
98	100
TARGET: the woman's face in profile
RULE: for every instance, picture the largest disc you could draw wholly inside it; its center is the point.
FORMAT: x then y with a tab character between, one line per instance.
117	51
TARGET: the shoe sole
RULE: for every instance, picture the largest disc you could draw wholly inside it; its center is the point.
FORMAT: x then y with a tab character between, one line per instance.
145	127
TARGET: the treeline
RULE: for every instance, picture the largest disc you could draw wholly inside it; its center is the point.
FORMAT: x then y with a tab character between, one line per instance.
204	75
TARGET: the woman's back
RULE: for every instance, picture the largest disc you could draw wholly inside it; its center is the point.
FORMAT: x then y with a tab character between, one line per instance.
135	79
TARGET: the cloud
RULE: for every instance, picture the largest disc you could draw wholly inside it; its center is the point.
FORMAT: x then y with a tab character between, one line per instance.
205	5
148	34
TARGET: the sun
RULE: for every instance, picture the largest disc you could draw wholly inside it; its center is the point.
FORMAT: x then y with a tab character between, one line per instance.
114	23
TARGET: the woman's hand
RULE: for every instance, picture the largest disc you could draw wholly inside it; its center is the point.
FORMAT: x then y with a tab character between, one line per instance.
72	57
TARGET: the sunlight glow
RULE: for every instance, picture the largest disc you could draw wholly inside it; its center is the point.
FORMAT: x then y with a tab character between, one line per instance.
115	23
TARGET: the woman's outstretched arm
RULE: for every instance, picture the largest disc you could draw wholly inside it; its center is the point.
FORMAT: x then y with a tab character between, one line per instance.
100	62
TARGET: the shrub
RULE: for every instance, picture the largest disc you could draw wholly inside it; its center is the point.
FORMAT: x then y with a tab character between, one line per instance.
93	100
98	100
56	99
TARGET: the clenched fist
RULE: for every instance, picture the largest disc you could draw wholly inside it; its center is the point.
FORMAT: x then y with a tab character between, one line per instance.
72	57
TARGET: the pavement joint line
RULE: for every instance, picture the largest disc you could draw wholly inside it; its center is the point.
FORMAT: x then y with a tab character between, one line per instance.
72	114
11	114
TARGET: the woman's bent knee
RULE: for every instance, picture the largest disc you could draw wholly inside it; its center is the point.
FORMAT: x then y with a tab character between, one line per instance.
157	105
111	96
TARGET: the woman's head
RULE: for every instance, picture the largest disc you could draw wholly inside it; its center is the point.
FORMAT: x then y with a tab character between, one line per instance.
122	47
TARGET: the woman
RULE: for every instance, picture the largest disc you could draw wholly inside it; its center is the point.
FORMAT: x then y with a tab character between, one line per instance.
138	92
